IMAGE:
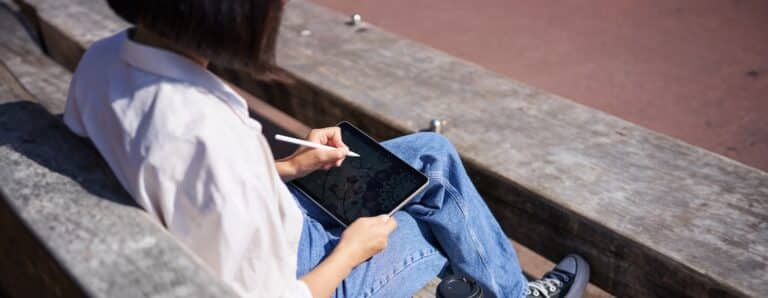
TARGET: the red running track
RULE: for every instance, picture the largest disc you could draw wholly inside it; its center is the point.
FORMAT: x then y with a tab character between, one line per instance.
696	70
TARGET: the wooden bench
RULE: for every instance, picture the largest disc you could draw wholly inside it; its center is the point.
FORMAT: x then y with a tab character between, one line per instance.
68	229
654	216
30	68
67	41
49	82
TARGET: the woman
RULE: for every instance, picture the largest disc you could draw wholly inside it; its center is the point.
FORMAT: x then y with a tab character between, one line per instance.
182	144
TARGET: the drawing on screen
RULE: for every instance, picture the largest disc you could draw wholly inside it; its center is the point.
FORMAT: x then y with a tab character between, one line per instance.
365	186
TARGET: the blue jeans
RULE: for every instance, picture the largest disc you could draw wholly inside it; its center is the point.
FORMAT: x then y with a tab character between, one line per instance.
446	229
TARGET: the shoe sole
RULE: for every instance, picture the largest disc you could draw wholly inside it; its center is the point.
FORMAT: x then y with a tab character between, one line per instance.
581	279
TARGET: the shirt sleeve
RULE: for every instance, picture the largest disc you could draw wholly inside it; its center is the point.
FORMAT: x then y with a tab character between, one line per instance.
303	290
209	198
298	289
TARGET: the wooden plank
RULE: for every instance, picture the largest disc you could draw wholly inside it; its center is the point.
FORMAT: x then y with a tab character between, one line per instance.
68	228
429	290
42	77
655	216
649	212
10	87
534	266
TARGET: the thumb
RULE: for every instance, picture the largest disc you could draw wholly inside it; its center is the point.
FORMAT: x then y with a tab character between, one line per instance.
390	223
326	155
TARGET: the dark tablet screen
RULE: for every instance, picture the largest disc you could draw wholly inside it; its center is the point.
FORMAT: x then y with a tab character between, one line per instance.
373	184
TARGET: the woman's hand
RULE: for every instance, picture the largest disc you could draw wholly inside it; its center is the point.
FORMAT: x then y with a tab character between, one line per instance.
364	238
307	160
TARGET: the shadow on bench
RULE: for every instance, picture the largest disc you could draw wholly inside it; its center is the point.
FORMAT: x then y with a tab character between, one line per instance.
32	132
79	231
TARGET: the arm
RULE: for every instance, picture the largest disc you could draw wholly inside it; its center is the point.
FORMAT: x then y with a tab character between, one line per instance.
201	219
324	279
209	195
362	239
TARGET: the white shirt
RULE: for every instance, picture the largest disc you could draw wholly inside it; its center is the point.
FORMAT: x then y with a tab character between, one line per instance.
182	144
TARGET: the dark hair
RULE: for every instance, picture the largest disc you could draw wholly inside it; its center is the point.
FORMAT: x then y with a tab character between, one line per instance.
234	33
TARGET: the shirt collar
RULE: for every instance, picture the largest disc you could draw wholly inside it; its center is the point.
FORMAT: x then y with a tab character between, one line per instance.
169	64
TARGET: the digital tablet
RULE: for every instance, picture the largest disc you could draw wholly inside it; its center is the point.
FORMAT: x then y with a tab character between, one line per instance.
378	182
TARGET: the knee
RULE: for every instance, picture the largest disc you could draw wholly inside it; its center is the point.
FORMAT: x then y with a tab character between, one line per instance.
409	233
432	140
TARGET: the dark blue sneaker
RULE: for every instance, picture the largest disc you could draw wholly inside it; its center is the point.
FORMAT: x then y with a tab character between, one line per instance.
567	280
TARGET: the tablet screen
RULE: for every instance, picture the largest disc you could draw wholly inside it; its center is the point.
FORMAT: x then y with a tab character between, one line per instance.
373	184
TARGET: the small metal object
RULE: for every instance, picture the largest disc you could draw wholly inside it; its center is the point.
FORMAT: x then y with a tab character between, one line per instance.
437	125
355	19
306	32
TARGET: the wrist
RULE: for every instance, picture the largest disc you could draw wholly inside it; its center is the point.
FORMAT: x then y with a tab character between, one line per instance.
287	169
326	276
344	258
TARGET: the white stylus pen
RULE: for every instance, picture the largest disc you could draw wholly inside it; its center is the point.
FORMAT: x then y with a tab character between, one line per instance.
301	142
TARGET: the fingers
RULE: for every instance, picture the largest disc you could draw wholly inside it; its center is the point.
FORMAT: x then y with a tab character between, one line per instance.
370	234
331	157
330	136
315	135
334	137
343	152
390	224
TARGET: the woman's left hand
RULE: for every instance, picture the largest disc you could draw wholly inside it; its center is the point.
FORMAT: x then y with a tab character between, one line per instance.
307	160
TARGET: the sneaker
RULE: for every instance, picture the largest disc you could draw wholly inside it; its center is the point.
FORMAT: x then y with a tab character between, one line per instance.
567	280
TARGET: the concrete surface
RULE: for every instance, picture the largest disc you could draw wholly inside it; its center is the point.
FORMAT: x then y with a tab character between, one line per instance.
649	212
693	69
67	228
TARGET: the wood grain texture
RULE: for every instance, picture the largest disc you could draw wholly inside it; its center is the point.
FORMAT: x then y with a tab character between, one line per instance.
43	78
651	213
429	290
654	216
68	229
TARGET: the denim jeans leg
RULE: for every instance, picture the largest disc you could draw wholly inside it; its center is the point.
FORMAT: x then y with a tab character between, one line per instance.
410	260
458	217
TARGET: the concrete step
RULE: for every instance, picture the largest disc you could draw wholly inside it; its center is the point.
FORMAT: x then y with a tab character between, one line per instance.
649	212
67	228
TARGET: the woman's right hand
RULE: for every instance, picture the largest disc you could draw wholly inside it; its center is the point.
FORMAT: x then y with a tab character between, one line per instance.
366	237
